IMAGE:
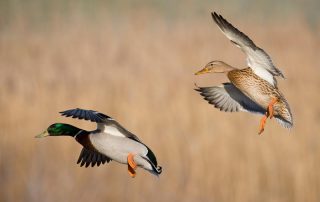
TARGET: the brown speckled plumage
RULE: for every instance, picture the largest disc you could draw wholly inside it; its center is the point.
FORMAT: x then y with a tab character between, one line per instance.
260	91
256	89
253	89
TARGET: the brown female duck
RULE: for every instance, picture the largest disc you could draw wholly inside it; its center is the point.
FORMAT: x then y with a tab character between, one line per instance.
252	89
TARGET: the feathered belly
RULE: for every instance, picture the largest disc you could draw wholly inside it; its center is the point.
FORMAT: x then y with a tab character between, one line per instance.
263	98
260	98
117	148
257	93
262	93
257	89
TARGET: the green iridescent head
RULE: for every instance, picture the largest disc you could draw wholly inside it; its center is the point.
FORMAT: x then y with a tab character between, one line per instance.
59	129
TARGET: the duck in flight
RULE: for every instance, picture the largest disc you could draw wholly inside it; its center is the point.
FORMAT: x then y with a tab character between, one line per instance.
253	89
110	141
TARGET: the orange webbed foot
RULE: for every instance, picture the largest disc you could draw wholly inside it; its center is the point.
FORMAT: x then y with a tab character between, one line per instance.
131	165
262	124
131	171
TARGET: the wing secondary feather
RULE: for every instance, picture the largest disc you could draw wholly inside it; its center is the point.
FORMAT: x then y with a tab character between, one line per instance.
229	99
257	58
90	115
88	157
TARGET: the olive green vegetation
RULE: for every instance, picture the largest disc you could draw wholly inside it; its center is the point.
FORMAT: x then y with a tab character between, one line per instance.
136	62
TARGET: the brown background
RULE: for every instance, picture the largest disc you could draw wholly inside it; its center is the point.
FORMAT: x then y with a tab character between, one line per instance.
135	62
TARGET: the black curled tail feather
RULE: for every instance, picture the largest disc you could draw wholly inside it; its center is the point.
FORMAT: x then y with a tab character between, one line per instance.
159	170
156	170
151	158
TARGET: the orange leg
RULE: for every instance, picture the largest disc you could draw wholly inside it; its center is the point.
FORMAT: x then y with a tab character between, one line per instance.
262	123
131	165
131	171
270	107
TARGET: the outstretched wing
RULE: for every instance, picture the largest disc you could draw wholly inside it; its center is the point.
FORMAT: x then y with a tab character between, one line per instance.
90	115
229	99
88	157
105	123
257	58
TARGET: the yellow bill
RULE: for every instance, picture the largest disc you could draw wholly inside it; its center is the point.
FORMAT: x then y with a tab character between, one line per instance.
203	71
43	134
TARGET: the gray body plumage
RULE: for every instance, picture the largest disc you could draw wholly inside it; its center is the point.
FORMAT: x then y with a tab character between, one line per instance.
118	148
113	141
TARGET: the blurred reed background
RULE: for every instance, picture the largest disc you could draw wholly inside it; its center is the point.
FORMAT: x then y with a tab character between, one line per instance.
135	62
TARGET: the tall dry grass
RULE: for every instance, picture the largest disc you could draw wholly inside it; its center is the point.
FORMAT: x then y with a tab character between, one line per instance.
140	71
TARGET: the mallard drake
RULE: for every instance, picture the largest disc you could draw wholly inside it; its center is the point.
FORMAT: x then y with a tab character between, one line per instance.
110	141
253	89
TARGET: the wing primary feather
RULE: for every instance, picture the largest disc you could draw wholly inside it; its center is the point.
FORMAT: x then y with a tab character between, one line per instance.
88	157
257	58
98	160
87	116
80	157
91	117
94	159
78	114
88	160
83	114
84	157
